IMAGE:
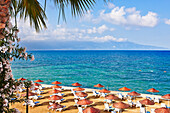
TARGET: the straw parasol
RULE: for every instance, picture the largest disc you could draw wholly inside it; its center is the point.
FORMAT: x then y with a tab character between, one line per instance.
22	79
36	84
84	102
38	80
124	89
111	97
134	94
56	82
98	85
56	86
147	102
29	94
91	110
162	110
167	96
152	90
54	91
55	97
81	94
120	105
78	89
76	84
55	106
104	91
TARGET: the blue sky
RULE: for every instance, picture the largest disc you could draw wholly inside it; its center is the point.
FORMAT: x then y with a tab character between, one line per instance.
144	22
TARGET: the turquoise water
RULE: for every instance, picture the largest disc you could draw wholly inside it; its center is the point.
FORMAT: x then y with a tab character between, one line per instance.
113	69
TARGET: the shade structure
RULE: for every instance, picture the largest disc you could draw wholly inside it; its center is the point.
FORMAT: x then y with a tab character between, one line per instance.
78	89
54	91
81	94
162	110
38	80
133	93
76	84
120	105
124	89
29	94
55	97
22	79
104	91
91	110
56	86
36	84
55	106
98	85
56	82
147	102
111	97
84	102
152	90
167	96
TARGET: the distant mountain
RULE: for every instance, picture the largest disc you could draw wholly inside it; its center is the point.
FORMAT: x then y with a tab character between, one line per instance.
87	45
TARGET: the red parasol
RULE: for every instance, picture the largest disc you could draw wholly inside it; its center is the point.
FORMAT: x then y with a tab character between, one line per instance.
104	91
152	90
38	80
29	94
111	97
76	84
36	84
55	97
78	89
54	91
98	85
133	93
22	79
56	82
120	105
147	102
56	86
81	94
84	102
124	89
91	110
55	106
162	110
167	96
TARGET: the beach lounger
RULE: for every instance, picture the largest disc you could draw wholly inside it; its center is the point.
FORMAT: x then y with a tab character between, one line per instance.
138	104
60	109
59	101
95	93
120	96
163	105
152	110
103	94
142	110
80	110
118	110
75	102
130	103
156	100
36	97
107	107
32	104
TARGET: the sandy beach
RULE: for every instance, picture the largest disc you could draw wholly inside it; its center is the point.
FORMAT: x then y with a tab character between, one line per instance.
98	102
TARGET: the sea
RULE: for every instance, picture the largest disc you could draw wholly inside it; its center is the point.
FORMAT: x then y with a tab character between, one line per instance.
137	70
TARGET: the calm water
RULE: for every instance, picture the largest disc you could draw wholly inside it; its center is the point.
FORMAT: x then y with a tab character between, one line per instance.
114	69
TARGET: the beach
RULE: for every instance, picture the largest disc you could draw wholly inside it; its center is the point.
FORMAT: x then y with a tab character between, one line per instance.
98	102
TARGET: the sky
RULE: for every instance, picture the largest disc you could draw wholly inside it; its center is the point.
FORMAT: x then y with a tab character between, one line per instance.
145	22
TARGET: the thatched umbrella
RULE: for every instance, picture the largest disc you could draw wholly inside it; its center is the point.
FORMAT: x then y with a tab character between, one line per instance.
38	80
162	110
56	82
84	102
81	94
91	110
111	97
124	89
104	91
147	102
120	105
167	96
56	86
54	91
98	85
55	97
55	106
22	79
78	89
76	84
29	94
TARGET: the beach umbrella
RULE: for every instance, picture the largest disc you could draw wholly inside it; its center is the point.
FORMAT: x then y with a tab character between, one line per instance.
36	84
124	89
78	89
22	79
104	91
55	106
162	110
56	86
134	94
29	94
84	102
98	85
81	94
120	105
111	97
91	110
55	97
147	102
54	91
152	90
56	82
167	96
76	84
38	80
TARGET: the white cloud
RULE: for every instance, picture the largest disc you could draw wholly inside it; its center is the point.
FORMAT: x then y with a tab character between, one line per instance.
108	38
129	17
110	5
167	21
102	28
88	16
